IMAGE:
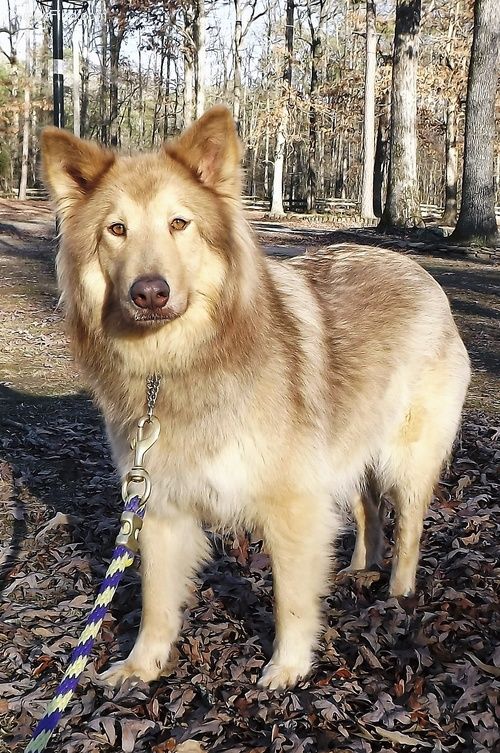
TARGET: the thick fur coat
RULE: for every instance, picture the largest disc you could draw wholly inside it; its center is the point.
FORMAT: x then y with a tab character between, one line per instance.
290	389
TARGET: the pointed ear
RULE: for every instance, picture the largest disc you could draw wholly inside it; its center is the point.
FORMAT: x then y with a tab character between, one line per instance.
212	150
71	166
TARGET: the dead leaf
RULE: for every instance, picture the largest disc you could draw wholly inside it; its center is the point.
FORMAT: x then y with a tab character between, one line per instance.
401	738
190	746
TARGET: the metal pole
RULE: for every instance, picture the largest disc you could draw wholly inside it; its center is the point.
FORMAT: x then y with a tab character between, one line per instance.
58	62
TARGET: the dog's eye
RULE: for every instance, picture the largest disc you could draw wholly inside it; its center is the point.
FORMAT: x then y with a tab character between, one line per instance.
178	223
117	228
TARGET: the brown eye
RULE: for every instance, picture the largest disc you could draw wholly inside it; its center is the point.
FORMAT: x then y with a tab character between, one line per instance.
117	229
178	223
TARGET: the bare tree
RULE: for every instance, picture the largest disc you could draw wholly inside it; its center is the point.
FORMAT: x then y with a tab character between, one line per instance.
200	47
12	31
23	182
402	207
451	162
369	113
117	27
477	221
380	161
75	45
193	35
84	75
316	17
277	208
241	28
452	109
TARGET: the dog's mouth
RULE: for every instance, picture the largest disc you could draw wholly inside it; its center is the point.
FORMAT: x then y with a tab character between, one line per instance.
160	316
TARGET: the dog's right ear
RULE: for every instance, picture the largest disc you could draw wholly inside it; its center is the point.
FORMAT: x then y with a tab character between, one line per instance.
71	167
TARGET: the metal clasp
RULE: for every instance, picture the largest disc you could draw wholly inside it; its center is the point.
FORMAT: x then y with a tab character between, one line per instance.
131	524
141	444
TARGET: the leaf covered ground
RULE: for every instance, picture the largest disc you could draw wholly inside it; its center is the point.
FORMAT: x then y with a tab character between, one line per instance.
419	674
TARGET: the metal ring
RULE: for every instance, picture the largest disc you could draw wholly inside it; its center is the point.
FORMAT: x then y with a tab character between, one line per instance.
136	476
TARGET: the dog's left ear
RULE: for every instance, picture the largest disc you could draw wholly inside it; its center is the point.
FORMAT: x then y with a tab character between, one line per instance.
212	150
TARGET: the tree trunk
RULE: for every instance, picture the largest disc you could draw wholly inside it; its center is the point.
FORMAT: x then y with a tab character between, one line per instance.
277	195
477	221
44	90
84	78
103	84
402	208
188	109
200	47
451	179
115	43
155	127
380	165
369	113
237	62
23	182
277	208
75	42
339	167
167	96
316	52
266	150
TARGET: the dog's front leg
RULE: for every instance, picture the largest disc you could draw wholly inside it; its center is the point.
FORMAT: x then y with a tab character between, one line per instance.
299	536
172	549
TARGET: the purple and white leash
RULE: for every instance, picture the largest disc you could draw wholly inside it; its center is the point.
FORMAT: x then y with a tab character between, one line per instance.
126	547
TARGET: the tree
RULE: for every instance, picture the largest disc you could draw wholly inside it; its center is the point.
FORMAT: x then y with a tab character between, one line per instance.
402	208
477	221
316	31
199	41
369	113
452	108
279	157
75	46
193	33
380	159
23	182
117	24
241	29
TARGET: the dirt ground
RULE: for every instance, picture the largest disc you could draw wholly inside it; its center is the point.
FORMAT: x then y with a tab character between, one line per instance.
392	676
36	359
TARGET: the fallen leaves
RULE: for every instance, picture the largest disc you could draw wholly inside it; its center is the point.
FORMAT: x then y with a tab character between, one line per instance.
408	675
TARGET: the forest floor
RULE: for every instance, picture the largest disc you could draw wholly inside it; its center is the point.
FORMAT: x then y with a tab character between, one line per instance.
410	675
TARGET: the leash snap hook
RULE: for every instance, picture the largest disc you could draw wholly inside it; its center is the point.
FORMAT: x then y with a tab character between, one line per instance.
141	444
148	431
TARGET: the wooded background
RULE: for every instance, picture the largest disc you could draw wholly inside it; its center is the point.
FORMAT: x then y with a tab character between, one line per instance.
310	83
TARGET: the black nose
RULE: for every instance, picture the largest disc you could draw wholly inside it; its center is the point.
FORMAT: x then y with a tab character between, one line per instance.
150	292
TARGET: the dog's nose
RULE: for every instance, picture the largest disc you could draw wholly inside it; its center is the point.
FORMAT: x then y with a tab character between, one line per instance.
150	292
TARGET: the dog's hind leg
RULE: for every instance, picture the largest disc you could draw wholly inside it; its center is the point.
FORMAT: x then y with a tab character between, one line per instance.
410	505
414	467
417	453
299	536
172	550
368	512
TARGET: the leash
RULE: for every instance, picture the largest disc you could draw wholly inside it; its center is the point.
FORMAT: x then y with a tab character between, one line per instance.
126	547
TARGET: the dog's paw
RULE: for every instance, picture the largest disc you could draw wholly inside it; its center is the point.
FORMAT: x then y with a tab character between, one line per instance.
124	670
278	676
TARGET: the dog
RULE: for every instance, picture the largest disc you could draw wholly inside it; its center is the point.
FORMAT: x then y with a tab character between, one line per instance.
291	390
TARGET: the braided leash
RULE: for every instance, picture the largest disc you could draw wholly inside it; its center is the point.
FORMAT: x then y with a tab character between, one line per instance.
122	558
126	547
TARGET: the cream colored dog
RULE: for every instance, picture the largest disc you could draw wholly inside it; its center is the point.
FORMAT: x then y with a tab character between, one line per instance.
289	389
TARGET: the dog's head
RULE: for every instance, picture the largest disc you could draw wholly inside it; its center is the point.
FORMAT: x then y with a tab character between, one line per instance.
146	240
